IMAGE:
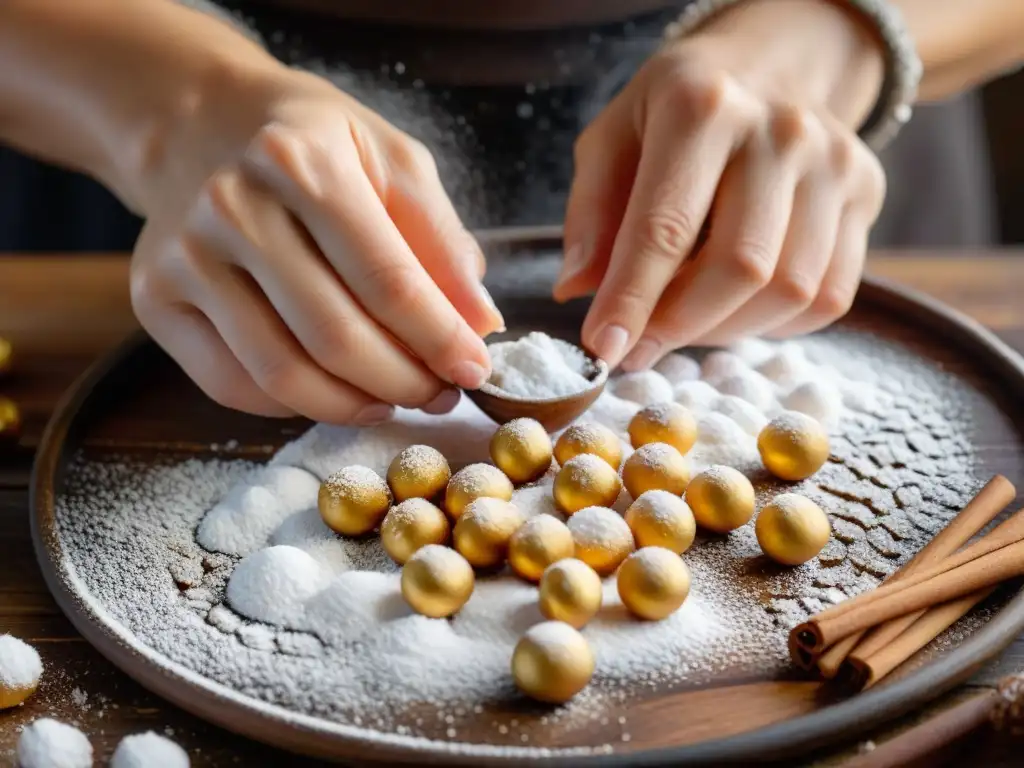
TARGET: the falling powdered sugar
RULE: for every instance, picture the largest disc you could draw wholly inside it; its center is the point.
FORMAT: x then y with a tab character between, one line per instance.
289	616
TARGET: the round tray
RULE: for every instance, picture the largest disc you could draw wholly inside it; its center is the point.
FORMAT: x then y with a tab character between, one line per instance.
136	402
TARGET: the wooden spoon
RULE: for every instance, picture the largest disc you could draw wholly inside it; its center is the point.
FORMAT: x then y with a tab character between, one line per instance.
553	413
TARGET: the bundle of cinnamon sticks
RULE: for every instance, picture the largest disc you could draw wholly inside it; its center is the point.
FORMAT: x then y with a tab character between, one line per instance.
863	639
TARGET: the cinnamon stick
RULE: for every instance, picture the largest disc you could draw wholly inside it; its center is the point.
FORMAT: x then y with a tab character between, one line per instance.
1006	534
979	512
863	670
936	588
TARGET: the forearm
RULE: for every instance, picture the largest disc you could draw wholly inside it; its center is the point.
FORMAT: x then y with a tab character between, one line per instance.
104	86
963	43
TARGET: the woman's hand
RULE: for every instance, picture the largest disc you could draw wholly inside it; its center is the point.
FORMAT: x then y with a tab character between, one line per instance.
747	127
301	257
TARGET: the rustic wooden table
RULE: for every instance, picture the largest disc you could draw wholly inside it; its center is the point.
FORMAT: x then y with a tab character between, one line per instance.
62	312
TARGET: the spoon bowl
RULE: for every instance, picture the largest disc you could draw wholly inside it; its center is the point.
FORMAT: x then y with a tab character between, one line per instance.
553	413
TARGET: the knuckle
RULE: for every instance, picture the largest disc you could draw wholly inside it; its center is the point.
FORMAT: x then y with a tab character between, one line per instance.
277	376
413	156
221	195
834	302
752	263
791	127
699	97
145	288
844	156
395	285
795	288
668	233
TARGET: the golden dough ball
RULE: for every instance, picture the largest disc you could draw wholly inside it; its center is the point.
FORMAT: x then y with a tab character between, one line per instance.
521	448
539	542
661	519
653	583
483	533
589	438
793	446
585	481
552	662
354	500
669	423
20	671
6	355
418	472
792	529
10	420
602	538
721	499
655	467
411	525
437	581
476	481
570	591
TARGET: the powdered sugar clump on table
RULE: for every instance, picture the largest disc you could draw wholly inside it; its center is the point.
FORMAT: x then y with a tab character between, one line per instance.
148	750
227	569
49	743
20	665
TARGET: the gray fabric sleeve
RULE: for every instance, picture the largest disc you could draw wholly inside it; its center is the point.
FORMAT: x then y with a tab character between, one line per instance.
234	20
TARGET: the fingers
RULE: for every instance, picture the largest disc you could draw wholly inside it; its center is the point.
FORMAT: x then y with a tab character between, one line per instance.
242	218
806	253
424	215
332	196
254	333
747	232
839	286
606	155
675	185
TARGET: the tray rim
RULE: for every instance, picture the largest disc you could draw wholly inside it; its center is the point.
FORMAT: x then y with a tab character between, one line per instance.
280	727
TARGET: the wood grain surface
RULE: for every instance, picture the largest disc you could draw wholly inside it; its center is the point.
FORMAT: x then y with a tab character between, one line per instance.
61	312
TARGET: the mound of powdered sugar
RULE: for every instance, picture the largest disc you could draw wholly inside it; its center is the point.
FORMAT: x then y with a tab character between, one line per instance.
49	743
538	367
148	750
20	665
227	569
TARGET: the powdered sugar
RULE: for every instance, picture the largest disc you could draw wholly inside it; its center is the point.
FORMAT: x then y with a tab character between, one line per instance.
538	367
599	527
148	750
49	743
347	653
20	665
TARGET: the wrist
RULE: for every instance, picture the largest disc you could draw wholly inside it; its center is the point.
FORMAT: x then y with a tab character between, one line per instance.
815	52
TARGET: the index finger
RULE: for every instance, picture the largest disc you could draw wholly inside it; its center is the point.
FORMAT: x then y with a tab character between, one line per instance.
331	194
680	165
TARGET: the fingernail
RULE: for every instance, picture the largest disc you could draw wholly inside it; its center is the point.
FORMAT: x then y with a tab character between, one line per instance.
610	343
374	414
489	300
643	356
469	375
443	403
573	263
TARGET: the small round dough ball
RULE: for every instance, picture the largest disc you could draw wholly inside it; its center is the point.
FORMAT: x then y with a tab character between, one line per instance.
354	500
720	364
653	582
570	591
792	529
476	481
20	671
793	446
602	538
753	351
419	471
661	519
411	525
643	387
483	532
521	448
589	438
437	581
669	423
678	368
787	366
552	662
539	542
48	743
148	750
696	395
655	467
585	481
818	399
750	386
747	416
721	498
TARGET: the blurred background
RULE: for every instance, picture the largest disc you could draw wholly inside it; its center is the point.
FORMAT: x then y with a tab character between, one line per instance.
501	109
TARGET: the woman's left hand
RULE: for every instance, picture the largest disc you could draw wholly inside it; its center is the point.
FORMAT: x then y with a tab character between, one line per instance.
748	127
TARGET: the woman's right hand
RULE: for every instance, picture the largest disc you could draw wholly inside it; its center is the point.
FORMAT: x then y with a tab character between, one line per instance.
308	261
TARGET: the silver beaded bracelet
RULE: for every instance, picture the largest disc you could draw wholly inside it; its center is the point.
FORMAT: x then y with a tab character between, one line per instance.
902	72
